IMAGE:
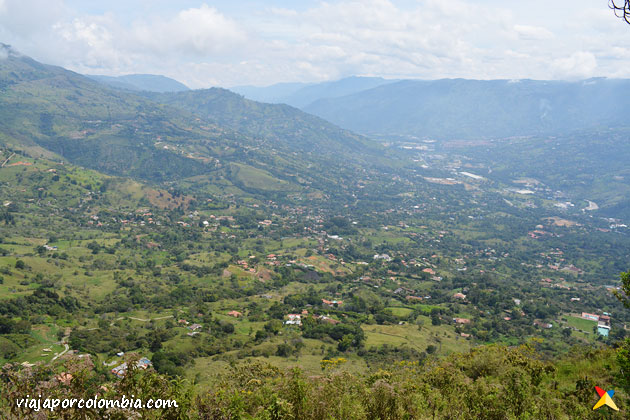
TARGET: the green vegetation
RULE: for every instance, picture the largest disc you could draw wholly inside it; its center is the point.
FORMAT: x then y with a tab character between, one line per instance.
397	293
491	382
257	179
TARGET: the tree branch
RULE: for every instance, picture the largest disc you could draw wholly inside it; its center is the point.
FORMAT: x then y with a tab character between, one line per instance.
621	8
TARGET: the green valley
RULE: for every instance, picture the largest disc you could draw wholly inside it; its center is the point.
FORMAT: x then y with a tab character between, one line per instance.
270	265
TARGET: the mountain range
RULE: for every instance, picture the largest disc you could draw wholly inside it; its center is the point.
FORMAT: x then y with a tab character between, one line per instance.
456	108
227	140
467	109
216	139
142	82
301	95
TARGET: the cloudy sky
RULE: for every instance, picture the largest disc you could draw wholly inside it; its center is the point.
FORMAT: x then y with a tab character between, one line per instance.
228	43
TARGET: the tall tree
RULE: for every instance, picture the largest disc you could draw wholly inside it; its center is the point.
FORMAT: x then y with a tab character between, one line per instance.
624	294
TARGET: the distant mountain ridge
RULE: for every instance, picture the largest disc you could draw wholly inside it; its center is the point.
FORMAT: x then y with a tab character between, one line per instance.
142	82
459	108
273	94
302	94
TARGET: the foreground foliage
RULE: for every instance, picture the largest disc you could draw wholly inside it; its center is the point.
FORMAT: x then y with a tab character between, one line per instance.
490	382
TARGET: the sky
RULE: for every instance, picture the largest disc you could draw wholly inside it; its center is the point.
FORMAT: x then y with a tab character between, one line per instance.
255	42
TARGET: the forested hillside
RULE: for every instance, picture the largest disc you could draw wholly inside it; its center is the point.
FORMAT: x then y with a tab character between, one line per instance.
54	113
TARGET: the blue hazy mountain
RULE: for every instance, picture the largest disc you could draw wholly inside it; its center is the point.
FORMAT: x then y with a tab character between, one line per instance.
142	82
302	94
274	94
458	108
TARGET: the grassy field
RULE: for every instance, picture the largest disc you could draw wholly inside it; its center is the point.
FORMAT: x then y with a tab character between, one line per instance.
207	370
258	179
581	324
400	311
443	337
41	337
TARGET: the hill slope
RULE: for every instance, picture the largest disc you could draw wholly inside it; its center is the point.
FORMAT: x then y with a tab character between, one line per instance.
282	126
48	111
273	94
146	82
457	108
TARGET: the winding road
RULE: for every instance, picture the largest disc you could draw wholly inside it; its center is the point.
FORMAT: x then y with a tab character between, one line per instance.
64	341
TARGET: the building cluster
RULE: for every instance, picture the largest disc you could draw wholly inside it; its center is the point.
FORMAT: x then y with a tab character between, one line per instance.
603	322
121	369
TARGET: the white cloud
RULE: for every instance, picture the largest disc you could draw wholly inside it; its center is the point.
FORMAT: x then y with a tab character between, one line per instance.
532	33
199	31
27	18
92	43
279	11
103	44
579	65
203	46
